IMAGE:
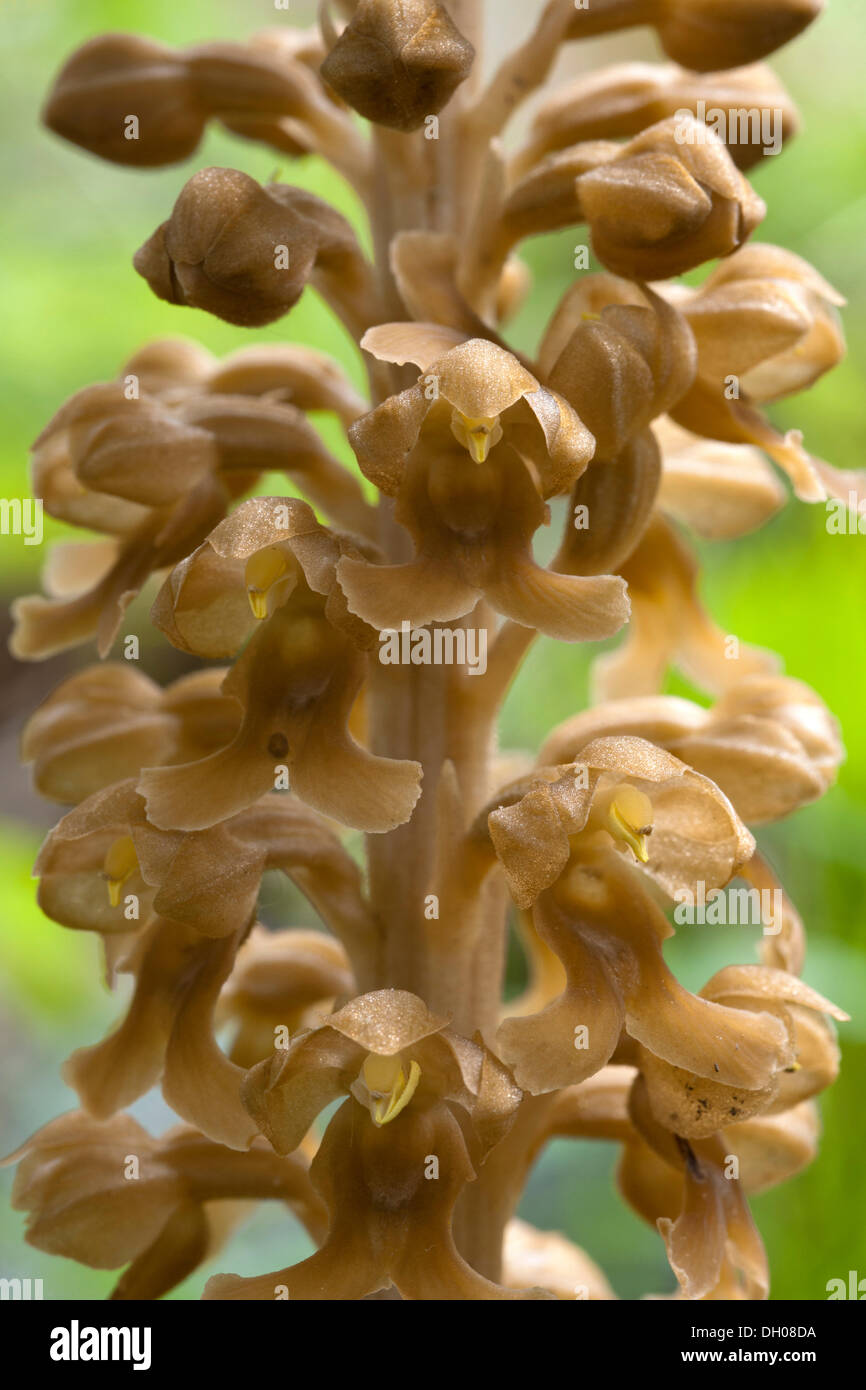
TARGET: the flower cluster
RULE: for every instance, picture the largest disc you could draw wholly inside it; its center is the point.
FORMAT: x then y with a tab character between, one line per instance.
388	1015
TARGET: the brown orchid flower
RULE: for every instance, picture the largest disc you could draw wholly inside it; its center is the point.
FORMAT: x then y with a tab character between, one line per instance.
547	1259
414	1090
470	460
769	743
208	879
601	918
381	1048
768	733
695	1105
173	909
281	982
719	491
704	34
271	567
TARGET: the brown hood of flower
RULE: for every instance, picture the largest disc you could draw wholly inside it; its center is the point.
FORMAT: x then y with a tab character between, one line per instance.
693	828
470	466
490	396
388	1032
788	329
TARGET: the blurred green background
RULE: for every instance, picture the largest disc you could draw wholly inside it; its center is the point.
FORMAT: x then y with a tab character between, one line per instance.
74	310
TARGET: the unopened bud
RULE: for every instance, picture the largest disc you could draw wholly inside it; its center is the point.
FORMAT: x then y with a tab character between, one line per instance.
216	251
398	63
665	205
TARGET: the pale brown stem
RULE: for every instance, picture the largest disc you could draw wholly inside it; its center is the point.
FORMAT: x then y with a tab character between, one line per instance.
529	66
522	73
409	719
435	714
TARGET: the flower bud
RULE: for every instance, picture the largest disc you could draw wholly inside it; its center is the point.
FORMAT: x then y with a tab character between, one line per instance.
767	316
241	251
397	63
705	34
670	200
112	80
136	102
620	101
